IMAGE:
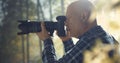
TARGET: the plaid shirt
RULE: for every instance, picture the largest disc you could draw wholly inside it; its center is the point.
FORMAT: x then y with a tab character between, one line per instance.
74	53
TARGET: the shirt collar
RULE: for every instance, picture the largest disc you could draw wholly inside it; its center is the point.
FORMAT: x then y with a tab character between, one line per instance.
93	32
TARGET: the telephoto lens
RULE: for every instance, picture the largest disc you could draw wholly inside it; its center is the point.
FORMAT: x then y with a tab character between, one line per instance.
27	26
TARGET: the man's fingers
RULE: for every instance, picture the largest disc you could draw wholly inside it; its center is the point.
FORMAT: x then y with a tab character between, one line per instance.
43	26
68	33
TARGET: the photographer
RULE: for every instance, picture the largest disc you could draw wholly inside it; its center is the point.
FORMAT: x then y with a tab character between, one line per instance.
82	24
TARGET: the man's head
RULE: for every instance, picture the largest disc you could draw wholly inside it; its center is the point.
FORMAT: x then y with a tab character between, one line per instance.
80	17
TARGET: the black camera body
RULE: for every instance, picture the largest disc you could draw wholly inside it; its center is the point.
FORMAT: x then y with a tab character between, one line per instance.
27	26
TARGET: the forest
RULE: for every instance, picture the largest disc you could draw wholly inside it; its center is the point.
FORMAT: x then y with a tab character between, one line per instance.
27	48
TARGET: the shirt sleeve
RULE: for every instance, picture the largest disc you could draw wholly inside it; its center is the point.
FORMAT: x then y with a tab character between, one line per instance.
68	45
49	55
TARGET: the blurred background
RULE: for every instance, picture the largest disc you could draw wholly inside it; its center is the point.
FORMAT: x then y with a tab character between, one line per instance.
27	48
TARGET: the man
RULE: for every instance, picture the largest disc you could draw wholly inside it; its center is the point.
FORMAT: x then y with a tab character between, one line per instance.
81	23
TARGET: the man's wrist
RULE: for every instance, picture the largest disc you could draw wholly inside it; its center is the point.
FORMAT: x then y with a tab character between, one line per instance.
66	39
46	38
69	40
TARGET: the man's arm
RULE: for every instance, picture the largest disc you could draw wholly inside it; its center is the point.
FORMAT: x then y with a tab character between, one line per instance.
68	45
67	42
70	57
49	51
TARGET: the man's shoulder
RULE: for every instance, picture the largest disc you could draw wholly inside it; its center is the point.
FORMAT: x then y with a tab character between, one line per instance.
93	32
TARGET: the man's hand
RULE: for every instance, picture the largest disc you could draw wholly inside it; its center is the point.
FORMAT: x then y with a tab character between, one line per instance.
67	37
44	34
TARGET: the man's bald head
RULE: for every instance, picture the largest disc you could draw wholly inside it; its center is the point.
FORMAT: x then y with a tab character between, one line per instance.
80	17
82	9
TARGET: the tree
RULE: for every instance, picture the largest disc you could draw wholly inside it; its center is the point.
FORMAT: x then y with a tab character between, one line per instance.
9	43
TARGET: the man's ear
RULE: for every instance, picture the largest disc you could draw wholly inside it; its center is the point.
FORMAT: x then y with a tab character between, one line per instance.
84	17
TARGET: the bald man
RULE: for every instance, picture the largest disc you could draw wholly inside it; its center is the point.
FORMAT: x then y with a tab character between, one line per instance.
81	23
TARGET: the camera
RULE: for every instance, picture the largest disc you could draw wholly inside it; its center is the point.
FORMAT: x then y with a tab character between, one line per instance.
27	26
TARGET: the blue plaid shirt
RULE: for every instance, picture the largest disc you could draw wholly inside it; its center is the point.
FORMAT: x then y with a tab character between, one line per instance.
74	53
